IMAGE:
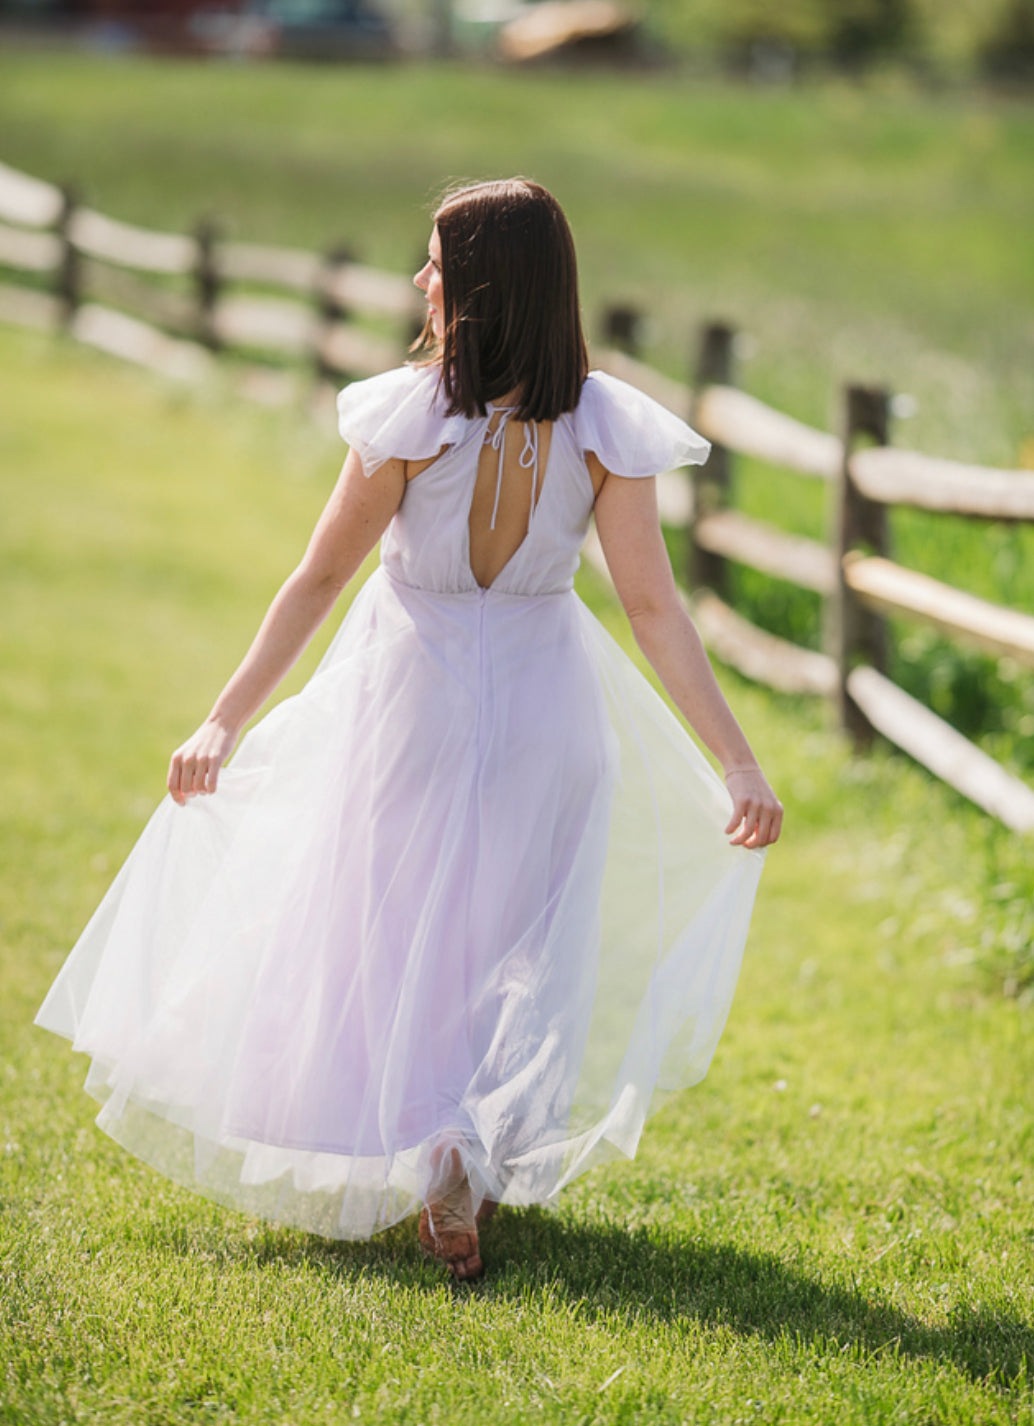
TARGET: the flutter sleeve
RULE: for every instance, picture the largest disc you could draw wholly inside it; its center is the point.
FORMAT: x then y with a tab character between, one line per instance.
398	415
630	433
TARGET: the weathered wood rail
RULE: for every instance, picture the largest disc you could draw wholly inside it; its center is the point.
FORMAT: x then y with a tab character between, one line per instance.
858	582
188	301
172	301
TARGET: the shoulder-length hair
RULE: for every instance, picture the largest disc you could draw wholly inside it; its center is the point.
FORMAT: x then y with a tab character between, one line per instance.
510	294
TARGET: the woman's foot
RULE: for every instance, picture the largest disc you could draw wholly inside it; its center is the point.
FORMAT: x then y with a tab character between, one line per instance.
448	1232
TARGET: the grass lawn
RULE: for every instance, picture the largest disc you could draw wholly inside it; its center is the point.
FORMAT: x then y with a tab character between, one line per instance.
837	1226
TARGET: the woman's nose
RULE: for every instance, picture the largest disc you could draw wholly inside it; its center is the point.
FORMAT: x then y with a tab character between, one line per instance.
421	278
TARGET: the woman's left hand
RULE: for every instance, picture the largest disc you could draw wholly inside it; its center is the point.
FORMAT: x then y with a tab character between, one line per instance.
757	813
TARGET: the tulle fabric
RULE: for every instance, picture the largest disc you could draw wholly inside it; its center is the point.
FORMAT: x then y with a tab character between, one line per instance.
401	415
465	900
633	435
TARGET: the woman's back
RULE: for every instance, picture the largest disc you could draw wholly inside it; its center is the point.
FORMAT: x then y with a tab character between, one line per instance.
499	503
511	467
444	537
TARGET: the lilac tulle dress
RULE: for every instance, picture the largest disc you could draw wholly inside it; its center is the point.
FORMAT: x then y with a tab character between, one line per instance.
469	890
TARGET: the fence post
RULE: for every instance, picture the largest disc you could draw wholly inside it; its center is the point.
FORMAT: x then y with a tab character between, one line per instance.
68	284
207	283
711	482
417	321
443	42
622	328
854	633
331	311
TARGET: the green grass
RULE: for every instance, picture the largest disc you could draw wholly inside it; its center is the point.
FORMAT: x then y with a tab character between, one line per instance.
852	1247
834	1227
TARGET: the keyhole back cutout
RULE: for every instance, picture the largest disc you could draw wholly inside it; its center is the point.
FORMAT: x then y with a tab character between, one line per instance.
511	498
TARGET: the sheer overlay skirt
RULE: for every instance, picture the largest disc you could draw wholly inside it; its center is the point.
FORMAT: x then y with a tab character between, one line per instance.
468	891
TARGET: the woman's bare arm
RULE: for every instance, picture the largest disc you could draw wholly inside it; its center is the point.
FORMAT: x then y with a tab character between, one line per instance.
354	519
630	533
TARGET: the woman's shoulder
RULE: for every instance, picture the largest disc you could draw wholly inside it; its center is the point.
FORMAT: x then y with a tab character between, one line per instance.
398	415
629	432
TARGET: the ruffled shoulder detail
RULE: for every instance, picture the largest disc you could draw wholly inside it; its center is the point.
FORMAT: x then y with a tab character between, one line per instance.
399	415
631	433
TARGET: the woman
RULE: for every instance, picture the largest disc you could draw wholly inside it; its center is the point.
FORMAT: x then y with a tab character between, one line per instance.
466	907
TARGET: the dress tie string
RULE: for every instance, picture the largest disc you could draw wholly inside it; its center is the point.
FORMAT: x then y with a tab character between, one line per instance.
527	460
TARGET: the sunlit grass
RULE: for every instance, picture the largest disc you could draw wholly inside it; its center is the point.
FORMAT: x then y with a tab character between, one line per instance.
833	1228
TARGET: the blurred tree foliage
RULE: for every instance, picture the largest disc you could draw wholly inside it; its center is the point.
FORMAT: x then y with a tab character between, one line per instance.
1009	51
940	37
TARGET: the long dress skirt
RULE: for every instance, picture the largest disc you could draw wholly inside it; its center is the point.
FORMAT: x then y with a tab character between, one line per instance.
468	890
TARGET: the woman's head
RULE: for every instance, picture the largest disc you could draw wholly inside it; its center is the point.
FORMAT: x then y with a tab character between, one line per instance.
509	318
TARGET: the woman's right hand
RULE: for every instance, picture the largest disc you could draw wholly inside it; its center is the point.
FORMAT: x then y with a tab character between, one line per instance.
194	767
757	813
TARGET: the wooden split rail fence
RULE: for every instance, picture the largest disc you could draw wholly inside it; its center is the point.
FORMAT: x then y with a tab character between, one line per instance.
858	582
89	268
190	297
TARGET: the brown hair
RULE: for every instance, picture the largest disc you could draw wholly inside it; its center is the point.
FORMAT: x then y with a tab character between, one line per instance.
510	289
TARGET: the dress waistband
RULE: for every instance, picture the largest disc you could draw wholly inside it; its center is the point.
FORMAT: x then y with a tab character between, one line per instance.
476	592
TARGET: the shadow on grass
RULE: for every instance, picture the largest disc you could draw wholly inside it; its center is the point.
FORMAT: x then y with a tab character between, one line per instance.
662	1274
669	1276
649	1272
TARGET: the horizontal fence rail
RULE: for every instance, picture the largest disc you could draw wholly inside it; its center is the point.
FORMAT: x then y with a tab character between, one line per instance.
929	483
888	587
94	235
169	300
911	726
853	574
28	201
174	303
746	425
791	557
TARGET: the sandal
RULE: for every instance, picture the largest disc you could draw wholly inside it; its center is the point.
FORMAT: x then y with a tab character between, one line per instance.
486	1212
448	1232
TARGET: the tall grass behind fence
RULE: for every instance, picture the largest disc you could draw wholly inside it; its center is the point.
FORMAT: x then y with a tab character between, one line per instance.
177	302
